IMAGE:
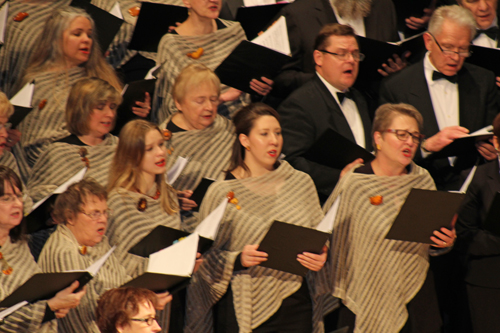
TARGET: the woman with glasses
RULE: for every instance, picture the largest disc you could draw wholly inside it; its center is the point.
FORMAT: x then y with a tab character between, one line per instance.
127	310
17	265
77	243
383	284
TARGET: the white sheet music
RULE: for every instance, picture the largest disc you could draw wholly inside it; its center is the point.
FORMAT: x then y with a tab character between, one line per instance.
176	169
125	87
150	75
177	259
24	97
116	11
483	131
96	266
4	13
253	3
276	37
12	309
326	225
210	225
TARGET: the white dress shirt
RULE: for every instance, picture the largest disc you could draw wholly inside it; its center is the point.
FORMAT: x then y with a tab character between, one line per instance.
351	113
486	41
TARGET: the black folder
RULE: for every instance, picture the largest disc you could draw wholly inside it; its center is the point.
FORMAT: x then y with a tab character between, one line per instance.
200	191
377	53
485	57
162	237
19	114
492	221
136	91
44	286
257	18
284	241
250	61
107	25
41	217
158	282
461	146
153	22
423	212
336	151
409	8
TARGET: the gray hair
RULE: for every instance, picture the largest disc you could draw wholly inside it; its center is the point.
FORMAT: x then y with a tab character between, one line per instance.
456	14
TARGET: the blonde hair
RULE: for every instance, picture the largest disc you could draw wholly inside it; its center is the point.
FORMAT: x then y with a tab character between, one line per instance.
125	169
6	108
48	51
191	76
84	96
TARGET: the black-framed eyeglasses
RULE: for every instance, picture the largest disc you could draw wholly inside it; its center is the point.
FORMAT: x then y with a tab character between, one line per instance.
403	135
97	214
464	54
149	321
356	55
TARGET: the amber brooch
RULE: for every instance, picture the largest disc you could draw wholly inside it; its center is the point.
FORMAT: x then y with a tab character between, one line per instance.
376	200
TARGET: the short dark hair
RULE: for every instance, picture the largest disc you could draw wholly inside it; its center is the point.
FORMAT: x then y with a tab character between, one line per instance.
7	175
116	306
496	126
332	29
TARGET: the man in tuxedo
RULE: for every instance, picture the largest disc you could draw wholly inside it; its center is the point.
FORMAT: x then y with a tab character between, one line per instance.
374	19
454	97
485	14
327	101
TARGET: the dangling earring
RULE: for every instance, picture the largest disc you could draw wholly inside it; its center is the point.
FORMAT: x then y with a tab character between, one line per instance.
378	147
247	148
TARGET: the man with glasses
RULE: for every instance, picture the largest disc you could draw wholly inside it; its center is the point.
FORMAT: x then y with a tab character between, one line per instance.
455	98
328	101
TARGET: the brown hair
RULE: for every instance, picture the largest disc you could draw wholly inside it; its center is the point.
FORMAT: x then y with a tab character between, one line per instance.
244	121
125	168
6	108
192	76
496	126
116	306
385	114
83	98
69	203
331	29
7	175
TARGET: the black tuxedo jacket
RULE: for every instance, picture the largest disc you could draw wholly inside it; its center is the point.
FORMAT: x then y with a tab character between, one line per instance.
305	18
305	115
477	109
481	246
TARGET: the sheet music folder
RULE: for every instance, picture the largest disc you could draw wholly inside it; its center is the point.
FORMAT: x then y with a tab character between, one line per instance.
162	237
336	151
492	221
200	191
423	212
462	146
153	22
250	61
284	241
44	286
158	282
255	19
485	57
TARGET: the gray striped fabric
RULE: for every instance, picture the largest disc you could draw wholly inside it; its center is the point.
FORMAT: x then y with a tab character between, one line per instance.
61	161
172	54
20	38
29	317
61	253
208	150
286	195
127	225
44	126
375	277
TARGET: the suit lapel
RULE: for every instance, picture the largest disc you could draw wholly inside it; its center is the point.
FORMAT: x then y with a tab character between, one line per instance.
326	14
468	97
494	178
365	117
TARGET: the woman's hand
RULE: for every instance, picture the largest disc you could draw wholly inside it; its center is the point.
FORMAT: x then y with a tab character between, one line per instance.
311	261
65	300
230	95
251	257
184	202
349	166
199	261
142	109
445	237
262	87
163	299
394	66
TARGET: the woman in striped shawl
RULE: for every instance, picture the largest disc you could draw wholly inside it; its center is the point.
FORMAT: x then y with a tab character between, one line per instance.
202	38
77	243
198	133
383	283
6	110
248	297
17	265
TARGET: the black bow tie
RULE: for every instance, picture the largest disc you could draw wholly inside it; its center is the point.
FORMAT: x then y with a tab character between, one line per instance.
341	96
491	33
437	75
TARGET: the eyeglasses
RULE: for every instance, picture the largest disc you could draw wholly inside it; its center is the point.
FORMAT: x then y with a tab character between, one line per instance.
403	135
97	214
148	321
10	198
7	126
464	54
356	55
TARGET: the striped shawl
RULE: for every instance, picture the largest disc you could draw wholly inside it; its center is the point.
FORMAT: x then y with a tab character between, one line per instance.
375	277
284	194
